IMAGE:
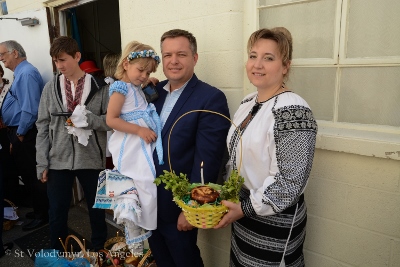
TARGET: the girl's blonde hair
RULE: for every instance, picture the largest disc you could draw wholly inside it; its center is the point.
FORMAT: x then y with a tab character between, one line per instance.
146	62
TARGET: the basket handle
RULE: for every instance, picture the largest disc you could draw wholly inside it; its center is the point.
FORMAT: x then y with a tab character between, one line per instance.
85	255
208	111
11	204
148	253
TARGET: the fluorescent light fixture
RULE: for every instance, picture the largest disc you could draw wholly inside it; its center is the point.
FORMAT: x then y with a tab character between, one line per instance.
29	22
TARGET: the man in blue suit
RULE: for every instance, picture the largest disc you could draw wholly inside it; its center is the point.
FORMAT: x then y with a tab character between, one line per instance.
197	137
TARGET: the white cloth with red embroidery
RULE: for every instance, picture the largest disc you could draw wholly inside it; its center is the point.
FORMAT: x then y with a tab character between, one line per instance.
79	120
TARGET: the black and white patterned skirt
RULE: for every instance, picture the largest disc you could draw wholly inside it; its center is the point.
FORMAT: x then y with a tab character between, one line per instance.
261	241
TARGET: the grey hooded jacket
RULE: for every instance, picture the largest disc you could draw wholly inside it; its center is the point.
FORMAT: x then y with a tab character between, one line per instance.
58	150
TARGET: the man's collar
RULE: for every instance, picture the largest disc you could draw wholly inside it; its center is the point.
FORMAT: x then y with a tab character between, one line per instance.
20	64
167	87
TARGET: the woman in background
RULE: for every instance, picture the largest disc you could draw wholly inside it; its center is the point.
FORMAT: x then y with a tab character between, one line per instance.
3	128
4	158
110	63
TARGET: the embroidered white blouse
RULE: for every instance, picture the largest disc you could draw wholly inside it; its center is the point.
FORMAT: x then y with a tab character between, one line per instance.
278	149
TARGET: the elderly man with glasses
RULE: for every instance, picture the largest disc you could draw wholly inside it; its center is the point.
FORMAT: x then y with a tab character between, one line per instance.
19	111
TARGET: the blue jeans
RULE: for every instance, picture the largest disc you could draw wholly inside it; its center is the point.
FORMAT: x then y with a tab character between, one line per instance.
59	191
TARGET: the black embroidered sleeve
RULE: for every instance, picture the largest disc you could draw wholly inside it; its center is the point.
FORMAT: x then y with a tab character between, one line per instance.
295	132
247	208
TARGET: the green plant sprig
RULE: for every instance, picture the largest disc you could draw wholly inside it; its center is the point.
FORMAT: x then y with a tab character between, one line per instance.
230	189
179	185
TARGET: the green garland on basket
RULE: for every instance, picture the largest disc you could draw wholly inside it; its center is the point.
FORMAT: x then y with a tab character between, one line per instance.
180	186
230	189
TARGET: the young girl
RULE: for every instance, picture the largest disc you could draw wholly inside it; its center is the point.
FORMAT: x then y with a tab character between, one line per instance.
137	130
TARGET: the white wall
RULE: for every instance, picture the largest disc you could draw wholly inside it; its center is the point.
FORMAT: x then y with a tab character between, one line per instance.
353	211
35	40
15	6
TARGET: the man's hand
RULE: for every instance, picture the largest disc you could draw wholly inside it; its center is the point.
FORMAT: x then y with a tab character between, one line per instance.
152	80
44	176
235	213
183	224
21	138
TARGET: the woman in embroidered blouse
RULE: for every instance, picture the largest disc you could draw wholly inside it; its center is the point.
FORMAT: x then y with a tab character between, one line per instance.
278	137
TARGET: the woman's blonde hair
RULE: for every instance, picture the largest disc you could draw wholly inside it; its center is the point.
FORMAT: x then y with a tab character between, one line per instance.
145	62
110	62
281	36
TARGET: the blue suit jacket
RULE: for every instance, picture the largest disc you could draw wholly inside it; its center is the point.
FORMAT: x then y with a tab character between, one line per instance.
196	137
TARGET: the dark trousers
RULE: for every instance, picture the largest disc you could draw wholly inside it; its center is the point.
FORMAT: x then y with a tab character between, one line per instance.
59	190
1	207
24	156
10	178
173	248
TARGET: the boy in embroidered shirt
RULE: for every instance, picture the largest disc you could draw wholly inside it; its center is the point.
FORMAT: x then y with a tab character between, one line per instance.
65	152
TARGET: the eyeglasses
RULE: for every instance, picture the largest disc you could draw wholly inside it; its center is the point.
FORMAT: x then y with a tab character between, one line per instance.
1	54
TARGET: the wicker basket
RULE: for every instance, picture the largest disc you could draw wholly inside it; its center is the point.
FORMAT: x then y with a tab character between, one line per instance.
8	224
202	217
93	257
85	254
114	240
144	262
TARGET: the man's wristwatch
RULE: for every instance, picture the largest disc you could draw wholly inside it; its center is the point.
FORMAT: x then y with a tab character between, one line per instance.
19	135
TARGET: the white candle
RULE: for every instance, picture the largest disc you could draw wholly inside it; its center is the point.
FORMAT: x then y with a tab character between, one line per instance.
201	172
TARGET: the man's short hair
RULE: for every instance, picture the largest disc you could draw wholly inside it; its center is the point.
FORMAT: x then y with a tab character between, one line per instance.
14	45
64	44
181	33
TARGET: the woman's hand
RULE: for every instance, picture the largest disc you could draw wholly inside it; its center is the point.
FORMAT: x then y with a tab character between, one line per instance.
235	213
147	135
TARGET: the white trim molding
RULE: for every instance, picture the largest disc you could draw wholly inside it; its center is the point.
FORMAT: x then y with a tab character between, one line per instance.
379	141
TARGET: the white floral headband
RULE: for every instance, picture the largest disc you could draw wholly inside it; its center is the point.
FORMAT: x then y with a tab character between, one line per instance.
142	54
